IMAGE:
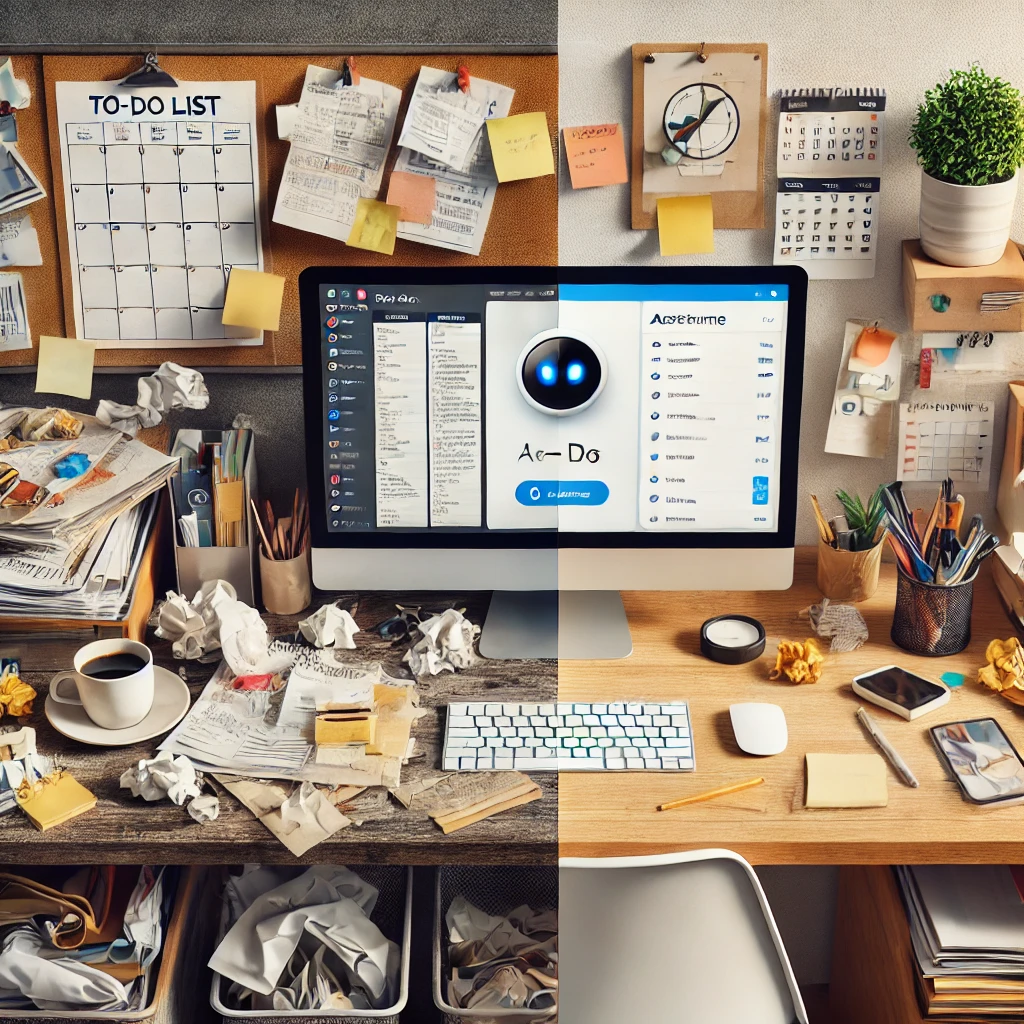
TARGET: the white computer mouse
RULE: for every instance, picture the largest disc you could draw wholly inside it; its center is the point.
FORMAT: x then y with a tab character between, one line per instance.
759	728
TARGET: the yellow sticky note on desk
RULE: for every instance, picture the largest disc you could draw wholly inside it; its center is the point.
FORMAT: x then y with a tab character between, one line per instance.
65	367
520	146
253	299
685	224
846	780
596	155
375	227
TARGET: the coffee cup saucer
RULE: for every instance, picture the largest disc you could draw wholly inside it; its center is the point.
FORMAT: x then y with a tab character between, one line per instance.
171	702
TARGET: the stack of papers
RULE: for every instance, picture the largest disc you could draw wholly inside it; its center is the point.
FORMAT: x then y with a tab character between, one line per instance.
967	928
74	518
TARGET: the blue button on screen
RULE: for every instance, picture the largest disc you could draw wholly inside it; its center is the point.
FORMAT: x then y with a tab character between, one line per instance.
553	492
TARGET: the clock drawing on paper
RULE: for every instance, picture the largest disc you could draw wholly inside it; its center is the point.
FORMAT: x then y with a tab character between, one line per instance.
702	121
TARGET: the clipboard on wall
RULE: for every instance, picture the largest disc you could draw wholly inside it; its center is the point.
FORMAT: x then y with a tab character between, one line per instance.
705	107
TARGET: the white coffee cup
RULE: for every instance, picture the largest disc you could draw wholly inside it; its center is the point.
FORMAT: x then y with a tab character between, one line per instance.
112	703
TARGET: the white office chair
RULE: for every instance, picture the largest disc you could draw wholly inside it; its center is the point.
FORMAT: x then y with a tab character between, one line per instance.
681	938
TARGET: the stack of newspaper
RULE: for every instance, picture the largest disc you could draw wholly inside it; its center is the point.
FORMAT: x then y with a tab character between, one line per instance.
74	518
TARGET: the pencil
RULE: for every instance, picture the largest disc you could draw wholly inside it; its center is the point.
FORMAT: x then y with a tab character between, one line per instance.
823	527
711	794
259	525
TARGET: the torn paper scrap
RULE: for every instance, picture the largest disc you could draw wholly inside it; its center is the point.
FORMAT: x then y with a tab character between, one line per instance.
446	644
331	626
842	622
461	799
163	775
14	91
172	386
443	123
299	816
19	242
18	184
14	330
204	808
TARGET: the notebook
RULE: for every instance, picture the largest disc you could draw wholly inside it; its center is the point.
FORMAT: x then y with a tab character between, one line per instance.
829	162
846	780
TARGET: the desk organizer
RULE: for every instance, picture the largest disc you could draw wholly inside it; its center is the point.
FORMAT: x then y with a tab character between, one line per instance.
167	966
392	915
932	620
236	565
495	891
848	575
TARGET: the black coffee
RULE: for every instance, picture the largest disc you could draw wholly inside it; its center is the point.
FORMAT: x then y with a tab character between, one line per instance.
113	666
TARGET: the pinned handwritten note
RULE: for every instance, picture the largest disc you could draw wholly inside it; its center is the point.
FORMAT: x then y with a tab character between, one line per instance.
375	227
253	300
685	224
414	194
65	367
520	146
596	155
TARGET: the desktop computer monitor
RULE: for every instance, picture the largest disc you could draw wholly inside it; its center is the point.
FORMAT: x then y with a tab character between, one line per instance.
579	430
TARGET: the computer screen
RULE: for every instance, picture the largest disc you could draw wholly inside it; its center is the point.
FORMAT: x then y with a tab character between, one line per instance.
593	403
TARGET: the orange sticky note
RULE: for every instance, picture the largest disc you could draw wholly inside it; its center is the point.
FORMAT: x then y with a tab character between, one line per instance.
253	300
375	227
414	194
596	155
685	224
520	146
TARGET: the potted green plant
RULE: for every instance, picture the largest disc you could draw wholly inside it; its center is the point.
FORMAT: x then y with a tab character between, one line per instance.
969	138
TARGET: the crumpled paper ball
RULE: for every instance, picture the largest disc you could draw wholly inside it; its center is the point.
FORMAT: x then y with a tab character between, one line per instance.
1004	672
204	808
842	622
180	623
163	775
445	646
331	626
16	696
798	662
171	386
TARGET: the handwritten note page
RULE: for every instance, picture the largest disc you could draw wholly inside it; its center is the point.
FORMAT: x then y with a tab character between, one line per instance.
443	123
14	332
464	199
596	155
19	243
521	146
685	225
340	139
161	192
65	367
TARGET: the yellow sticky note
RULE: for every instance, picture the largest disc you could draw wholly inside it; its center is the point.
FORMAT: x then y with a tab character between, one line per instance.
253	299
596	155
375	227
846	780
414	194
685	224
65	367
520	146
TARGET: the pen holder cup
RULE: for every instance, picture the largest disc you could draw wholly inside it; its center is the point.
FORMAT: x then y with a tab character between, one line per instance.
929	619
848	575
286	587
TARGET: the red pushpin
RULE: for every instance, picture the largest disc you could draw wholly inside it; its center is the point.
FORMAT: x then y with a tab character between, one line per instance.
463	73
352	71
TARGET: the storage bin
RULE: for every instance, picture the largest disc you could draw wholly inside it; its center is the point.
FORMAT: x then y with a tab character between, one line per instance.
392	915
161	978
496	891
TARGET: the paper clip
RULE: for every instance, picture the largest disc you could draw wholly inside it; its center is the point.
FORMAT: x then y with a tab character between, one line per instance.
463	80
349	72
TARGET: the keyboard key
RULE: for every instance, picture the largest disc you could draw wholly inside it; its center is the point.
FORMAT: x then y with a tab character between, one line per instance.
634	709
662	720
466	762
634	762
514	741
462	732
570	741
502	720
506	730
581	731
520	720
483	720
529	709
460	721
457	709
556	721
617	709
634	730
596	752
573	720
616	730
563	709
489	731
627	720
542	730
545	709
579	752
643	720
492	709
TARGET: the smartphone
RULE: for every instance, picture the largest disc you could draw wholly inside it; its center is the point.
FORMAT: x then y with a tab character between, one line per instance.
982	760
903	693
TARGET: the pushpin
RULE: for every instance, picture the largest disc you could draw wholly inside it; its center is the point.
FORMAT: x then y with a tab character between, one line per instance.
463	73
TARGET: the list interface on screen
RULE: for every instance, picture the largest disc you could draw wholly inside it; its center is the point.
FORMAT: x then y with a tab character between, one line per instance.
599	408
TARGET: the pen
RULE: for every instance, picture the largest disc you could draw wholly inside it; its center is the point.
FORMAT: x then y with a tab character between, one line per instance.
887	748
711	794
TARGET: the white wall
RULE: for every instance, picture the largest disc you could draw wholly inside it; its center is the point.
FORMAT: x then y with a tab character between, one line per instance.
904	47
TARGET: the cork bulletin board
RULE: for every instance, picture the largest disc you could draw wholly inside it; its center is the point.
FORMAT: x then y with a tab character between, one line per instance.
523	228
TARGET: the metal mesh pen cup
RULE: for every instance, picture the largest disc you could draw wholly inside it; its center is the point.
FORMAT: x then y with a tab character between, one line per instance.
930	619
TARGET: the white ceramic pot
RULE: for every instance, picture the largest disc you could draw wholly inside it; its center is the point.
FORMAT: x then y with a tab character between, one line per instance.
966	225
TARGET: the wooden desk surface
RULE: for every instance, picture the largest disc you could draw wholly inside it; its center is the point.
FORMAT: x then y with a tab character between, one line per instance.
614	814
126	830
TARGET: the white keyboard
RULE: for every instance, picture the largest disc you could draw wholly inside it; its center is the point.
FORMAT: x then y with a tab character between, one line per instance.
568	737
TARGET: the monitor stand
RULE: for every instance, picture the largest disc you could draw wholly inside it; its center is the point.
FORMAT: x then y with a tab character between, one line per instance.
572	625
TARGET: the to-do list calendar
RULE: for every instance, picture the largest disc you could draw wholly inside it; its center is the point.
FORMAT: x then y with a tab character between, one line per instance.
161	191
829	162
